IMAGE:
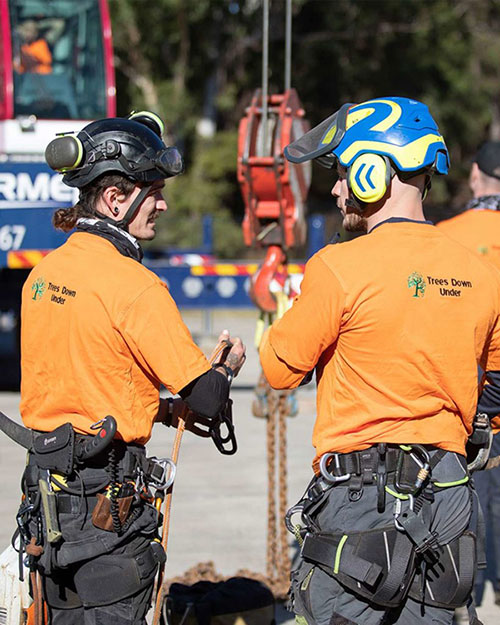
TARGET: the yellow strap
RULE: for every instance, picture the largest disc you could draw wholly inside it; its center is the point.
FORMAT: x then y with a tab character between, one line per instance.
464	480
395	494
338	553
259	330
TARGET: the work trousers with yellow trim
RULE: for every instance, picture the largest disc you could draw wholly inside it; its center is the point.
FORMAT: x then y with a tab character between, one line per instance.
322	600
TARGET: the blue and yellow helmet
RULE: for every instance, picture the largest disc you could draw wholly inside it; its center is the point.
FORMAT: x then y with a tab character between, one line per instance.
399	128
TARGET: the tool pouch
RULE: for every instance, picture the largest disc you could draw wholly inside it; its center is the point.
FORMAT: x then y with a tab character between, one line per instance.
449	582
55	450
101	515
378	565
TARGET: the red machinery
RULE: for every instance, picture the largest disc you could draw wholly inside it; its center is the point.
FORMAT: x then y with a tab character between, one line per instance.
274	190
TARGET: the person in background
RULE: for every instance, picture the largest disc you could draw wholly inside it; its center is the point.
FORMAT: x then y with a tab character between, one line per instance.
34	54
478	228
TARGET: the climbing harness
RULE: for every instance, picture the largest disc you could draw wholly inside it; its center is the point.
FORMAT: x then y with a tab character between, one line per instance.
386	564
56	479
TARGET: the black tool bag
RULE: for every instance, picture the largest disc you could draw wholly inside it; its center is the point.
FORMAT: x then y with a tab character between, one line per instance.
55	450
220	603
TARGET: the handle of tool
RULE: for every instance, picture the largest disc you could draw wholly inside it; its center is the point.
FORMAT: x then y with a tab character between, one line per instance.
49	509
219	349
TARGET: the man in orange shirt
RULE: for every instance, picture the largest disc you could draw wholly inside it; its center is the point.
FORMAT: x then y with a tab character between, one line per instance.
478	225
35	55
100	334
395	324
478	228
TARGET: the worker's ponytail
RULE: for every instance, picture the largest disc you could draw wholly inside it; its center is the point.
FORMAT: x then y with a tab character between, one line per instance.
65	219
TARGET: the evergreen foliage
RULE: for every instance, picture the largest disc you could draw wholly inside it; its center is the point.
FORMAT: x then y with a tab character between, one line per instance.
197	62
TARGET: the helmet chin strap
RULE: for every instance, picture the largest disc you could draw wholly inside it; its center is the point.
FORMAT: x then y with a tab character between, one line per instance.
352	202
133	208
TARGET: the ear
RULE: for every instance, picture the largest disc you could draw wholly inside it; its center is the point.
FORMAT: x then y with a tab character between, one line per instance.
109	202
474	176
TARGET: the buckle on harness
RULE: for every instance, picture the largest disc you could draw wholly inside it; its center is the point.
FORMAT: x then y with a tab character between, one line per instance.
161	474
422	459
323	467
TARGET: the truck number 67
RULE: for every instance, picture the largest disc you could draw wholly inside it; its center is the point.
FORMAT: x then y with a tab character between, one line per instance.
11	237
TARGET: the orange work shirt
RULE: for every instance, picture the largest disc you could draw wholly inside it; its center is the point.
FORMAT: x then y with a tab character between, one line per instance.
478	229
99	334
37	58
395	323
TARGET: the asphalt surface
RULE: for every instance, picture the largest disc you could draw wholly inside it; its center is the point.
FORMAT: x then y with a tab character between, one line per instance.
219	504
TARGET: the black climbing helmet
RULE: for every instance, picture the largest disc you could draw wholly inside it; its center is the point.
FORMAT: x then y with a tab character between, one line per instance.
129	146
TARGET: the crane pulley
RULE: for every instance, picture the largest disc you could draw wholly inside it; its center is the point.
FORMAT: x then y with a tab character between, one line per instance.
274	190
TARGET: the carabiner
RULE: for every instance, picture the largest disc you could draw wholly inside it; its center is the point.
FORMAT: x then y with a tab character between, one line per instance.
296	509
166	479
332	479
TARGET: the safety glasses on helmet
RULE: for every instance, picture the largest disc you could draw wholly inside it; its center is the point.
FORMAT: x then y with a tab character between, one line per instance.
319	142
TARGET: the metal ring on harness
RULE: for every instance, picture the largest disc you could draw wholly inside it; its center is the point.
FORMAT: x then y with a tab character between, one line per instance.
323	464
296	509
166	479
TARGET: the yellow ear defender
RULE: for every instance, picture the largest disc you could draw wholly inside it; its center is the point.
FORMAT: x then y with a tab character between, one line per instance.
152	120
369	177
64	153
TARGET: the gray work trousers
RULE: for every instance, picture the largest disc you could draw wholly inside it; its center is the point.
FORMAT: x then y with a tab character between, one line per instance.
70	568
326	602
487	484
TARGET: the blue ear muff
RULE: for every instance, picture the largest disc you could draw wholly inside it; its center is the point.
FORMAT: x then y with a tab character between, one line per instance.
369	177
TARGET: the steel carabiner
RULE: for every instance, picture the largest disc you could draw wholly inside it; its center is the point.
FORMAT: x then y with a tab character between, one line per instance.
323	467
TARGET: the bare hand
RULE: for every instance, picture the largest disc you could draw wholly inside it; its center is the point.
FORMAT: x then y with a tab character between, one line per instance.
236	355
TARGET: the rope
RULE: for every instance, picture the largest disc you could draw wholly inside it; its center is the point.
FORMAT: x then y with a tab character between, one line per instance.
492	463
166	523
288	45
181	426
265	69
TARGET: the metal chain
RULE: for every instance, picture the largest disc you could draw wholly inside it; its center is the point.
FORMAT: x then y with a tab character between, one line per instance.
285	565
272	547
278	558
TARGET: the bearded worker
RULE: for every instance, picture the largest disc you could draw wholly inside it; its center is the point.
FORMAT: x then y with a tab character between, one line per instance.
394	327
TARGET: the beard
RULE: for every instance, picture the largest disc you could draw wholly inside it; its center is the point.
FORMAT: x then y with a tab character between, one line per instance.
353	222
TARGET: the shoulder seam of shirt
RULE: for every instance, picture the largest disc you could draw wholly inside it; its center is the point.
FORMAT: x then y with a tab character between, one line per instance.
138	295
335	275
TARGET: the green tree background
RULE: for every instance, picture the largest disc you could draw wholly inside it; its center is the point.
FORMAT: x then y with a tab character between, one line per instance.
197	63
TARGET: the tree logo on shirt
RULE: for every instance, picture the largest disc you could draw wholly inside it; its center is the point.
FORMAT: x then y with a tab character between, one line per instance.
417	282
38	288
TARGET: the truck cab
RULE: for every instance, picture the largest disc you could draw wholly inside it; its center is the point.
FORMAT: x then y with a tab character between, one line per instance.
56	75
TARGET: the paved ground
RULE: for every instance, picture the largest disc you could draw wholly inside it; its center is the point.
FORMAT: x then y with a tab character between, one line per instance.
219	509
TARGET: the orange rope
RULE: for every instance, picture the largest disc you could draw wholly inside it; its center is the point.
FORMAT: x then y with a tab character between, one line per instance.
219	349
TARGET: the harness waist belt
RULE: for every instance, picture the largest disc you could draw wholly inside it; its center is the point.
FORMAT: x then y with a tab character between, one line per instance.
363	462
